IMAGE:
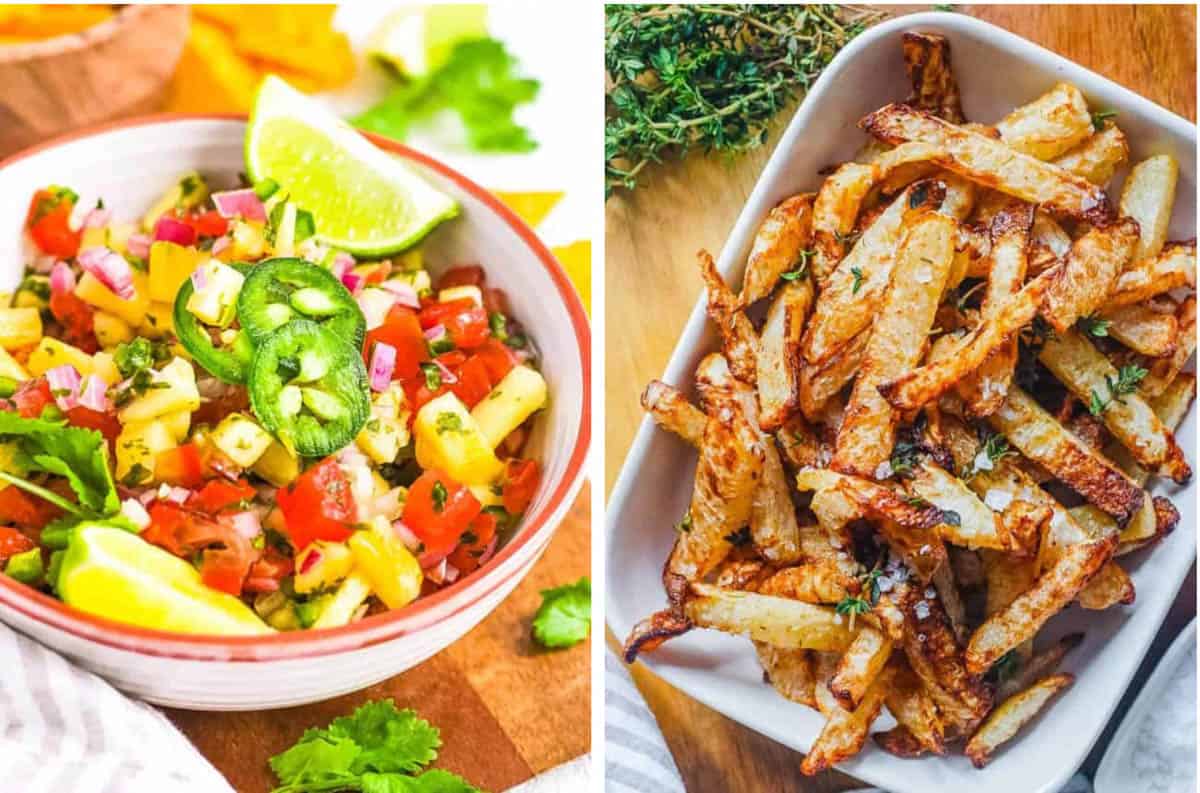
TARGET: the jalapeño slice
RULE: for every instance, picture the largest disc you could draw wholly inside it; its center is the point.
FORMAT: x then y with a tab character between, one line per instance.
229	362
308	386
278	291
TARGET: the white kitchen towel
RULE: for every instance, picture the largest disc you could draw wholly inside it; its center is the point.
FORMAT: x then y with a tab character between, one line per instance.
637	759
1076	784
570	777
64	730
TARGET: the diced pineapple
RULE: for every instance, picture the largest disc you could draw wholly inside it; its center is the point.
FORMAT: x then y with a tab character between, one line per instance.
19	327
11	367
486	496
138	446
178	423
375	304
174	389
465	292
386	432
333	562
449	439
159	321
96	294
419	280
248	241
285	619
105	367
352	593
242	439
93	237
110	329
277	465
51	352
170	266
189	191
514	399
411	260
392	571
215	302
118	237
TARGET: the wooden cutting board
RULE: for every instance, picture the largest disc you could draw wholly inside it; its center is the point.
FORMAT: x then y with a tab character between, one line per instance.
652	236
507	710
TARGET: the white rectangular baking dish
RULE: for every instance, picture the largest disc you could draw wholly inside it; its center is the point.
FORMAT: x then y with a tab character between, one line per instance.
996	71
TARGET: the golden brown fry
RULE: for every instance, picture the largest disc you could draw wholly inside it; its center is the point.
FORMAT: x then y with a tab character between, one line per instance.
898	741
1111	585
1007	577
1164	371
1173	267
672	411
782	622
924	384
1143	328
801	444
992	163
846	731
1014	713
911	706
966	521
777	246
1053	590
778	359
819	384
649	634
850	300
951	600
927	61
1098	157
859	666
1043	440
834	213
740	340
747	574
1048	126
1089	375
1148	196
820	581
898	336
790	672
1092	267
1043	662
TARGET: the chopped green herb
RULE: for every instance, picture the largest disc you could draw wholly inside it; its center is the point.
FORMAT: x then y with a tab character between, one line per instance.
565	617
433	377
1099	117
1094	326
499	325
439	496
685	525
448	422
858	279
1126	382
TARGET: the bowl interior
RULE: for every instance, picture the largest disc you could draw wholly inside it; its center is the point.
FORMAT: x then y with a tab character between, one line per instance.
997	71
131	165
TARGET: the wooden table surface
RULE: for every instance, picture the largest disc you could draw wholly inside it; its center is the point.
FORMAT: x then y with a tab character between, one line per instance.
507	710
651	239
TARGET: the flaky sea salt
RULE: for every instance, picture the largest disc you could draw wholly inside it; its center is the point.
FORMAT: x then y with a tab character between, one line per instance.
983	462
997	499
884	470
921	610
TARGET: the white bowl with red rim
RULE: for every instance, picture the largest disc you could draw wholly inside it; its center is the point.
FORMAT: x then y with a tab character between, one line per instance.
129	165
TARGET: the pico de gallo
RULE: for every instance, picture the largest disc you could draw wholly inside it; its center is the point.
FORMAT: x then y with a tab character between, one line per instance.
211	422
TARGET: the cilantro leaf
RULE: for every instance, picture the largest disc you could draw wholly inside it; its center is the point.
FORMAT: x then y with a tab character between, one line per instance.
80	455
479	82
316	758
433	781
392	740
565	616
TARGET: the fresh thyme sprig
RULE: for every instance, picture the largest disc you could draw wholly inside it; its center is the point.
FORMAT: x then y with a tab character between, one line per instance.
709	76
1126	382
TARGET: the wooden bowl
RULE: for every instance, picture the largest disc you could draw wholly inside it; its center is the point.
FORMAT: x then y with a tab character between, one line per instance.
116	69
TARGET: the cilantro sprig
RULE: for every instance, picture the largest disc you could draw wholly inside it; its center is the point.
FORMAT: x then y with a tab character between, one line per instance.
565	616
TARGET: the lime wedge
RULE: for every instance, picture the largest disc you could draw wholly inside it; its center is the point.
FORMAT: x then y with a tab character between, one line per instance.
364	200
416	40
114	574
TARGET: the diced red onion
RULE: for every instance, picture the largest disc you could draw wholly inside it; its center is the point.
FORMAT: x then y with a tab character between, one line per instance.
405	294
488	552
448	377
435	333
178	495
428	559
451	574
93	394
174	230
199	278
374	315
261	584
147	497
383	363
353	281
96	218
138	245
246	524
133	509
342	263
221	244
239	203
437	573
64	385
310	560
62	278
410	540
111	269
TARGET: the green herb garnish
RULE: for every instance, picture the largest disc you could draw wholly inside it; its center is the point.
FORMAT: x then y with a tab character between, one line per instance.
1126	382
565	617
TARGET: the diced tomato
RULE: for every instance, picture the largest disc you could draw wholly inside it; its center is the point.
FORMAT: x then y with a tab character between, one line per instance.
468	275
498	359
452	359
166	521
219	494
13	542
521	479
206	224
76	317
32	398
466	322
378	273
318	505
473	384
466	556
182	466
267	571
439	510
402	330
104	423
49	222
418	394
22	509
226	568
